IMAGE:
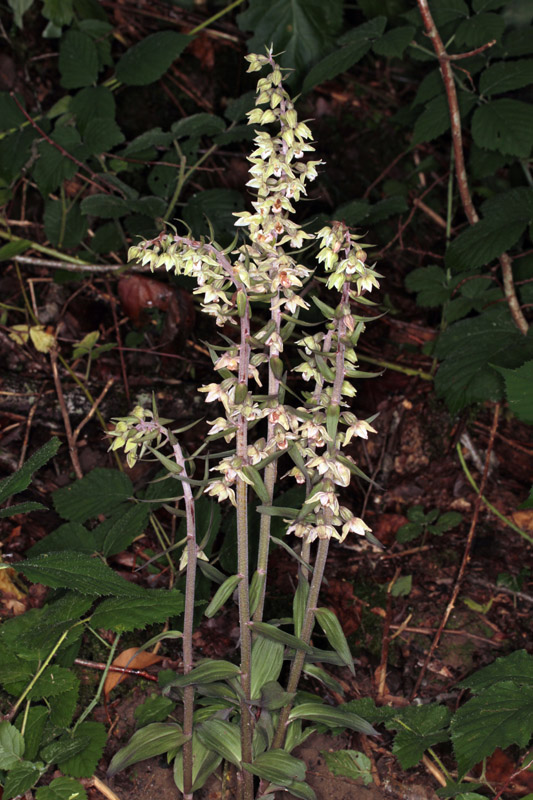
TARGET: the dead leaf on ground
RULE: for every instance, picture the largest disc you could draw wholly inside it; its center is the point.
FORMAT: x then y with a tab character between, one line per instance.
129	660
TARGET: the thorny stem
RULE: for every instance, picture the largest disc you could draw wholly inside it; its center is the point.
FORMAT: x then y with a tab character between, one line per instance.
190	582
460	169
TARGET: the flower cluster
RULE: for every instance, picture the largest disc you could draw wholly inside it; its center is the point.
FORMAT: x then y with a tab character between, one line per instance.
135	433
228	281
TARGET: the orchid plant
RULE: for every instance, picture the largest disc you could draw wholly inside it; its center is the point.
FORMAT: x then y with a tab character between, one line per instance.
245	716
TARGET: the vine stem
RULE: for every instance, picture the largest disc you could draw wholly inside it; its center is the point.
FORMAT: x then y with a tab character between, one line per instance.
460	169
190	584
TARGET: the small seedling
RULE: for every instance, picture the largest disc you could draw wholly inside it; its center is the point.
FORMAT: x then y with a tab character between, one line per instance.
420	523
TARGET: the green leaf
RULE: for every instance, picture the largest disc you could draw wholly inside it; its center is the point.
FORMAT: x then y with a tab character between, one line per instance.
222	594
84	764
198	125
58	11
21	778
419	727
21	479
77	571
69	536
446	522
19	8
152	740
481	243
349	764
302	30
431	285
127	614
105	205
430	86
102	134
54	681
21	508
409	532
402	586
222	737
78	60
276	635
152	138
478	30
505	125
64	225
394	42
10	114
35	722
53	167
500	716
150	58
217	206
267	662
518	384
333	717
516	667
99	492
204	763
238	107
11	745
337	62
469	350
125	529
435	119
335	635
62	749
505	76
7	251
91	102
61	789
208	672
155	709
278	767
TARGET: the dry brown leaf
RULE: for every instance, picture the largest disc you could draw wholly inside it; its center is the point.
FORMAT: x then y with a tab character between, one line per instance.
128	659
524	519
7	587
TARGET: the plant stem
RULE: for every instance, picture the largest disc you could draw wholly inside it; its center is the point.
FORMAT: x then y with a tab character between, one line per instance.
460	169
101	685
190	583
215	17
307	629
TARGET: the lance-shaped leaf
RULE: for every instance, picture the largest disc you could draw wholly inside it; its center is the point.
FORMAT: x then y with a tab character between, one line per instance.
276	635
277	766
333	717
204	763
21	479
21	508
332	420
222	594
209	672
152	740
256	483
299	604
267	660
222	737
321	675
335	635
256	589
301	789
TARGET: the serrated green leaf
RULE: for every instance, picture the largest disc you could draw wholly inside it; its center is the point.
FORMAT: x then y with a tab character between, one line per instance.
125	529
91	102
21	778
150	58
77	571
65	747
435	119
198	125
11	745
446	522
53	682
335	635
302	30
223	738
267	661
102	134
152	740
105	205
419	727
61	789
64	225
500	716
478	30
430	86
469	349
155	709
78	60
431	285
21	508
53	167
217	206
69	536
84	764
402	586
517	667
127	614
336	63
481	243
394	42
349	764
35	722
21	479
99	492
518	389
333	717
409	532
505	76
505	125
